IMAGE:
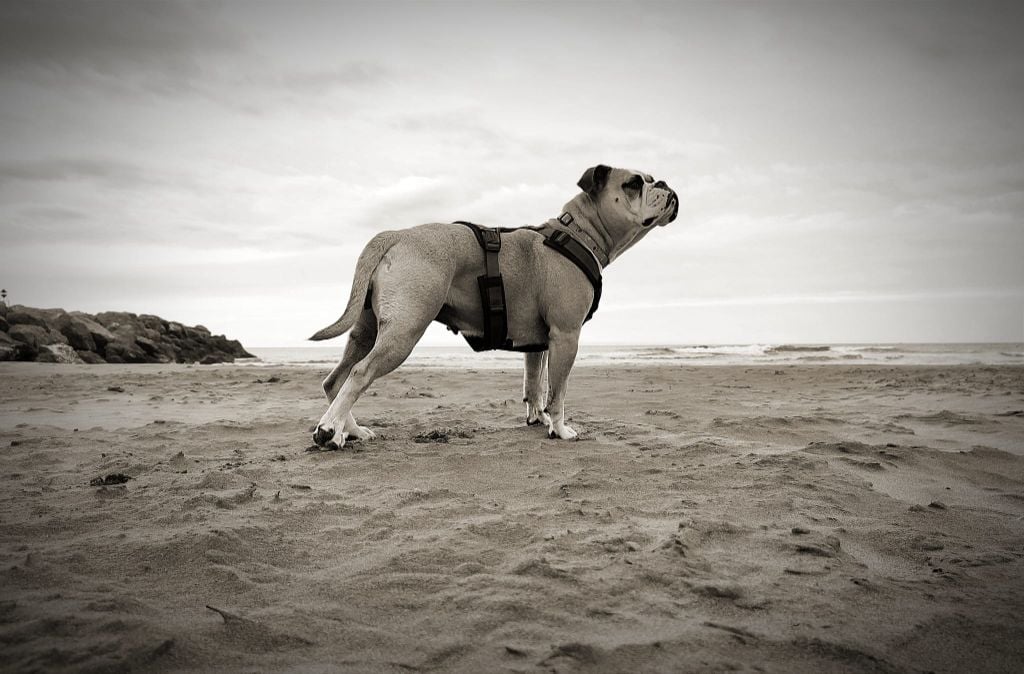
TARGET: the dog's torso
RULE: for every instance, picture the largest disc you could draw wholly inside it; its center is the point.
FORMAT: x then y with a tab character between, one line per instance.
542	287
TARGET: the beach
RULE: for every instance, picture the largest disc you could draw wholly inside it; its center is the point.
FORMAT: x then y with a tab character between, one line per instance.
797	517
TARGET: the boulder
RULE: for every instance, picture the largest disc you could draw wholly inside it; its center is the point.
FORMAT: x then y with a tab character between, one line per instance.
12	349
157	351
58	353
91	358
121	350
100	335
148	345
77	332
19	315
4	325
112	319
35	336
152	322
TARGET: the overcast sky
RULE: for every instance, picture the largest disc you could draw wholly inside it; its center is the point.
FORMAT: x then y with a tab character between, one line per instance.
848	171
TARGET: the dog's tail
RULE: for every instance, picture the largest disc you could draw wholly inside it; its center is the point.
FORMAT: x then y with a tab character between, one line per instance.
367	264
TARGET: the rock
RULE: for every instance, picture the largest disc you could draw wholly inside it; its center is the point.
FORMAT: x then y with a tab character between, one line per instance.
12	349
100	335
4	325
122	350
20	315
35	336
148	345
91	358
151	322
110	336
58	353
112	319
76	332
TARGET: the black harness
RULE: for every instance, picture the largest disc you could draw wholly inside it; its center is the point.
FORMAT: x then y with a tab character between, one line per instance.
492	288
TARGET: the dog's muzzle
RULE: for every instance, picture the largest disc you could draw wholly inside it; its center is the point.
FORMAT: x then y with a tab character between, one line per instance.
661	199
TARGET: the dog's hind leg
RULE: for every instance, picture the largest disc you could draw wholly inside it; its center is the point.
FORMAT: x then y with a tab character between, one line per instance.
562	347
405	304
535	388
393	346
360	341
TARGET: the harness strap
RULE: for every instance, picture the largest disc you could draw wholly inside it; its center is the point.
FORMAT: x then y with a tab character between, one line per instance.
577	253
492	292
569	223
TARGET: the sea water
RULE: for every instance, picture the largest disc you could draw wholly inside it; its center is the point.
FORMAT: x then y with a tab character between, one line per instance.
462	356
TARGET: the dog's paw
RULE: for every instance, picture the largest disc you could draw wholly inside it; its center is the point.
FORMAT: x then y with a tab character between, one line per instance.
360	433
535	416
326	437
562	432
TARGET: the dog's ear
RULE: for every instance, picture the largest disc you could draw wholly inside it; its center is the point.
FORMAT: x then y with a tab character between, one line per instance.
594	179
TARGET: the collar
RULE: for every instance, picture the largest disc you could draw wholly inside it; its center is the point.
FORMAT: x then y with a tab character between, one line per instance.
567	223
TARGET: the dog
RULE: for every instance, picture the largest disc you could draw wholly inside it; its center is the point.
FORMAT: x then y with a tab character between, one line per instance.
408	278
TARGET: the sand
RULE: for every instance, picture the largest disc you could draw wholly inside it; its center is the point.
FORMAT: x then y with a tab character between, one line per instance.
804	518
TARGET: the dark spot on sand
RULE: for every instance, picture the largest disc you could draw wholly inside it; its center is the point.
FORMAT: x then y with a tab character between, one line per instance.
113	478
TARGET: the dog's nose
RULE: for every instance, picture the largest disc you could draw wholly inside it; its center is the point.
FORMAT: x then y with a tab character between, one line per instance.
661	184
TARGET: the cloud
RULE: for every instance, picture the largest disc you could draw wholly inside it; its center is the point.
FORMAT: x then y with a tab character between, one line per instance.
110	172
111	37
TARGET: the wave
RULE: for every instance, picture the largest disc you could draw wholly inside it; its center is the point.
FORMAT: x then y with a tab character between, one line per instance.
797	348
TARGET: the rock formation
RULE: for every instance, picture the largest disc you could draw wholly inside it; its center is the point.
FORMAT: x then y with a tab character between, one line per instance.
58	336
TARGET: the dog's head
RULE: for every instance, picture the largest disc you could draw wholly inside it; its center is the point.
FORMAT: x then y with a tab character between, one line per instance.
629	203
630	196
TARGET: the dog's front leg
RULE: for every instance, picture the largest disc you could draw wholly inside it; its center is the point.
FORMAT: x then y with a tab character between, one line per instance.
535	388
562	347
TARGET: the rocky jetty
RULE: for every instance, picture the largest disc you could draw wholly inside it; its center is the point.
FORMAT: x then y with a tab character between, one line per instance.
58	336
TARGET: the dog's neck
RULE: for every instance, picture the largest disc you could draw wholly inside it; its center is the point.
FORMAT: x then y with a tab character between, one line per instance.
587	217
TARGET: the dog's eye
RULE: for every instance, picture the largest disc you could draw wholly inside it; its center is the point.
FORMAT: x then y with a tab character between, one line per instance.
635	184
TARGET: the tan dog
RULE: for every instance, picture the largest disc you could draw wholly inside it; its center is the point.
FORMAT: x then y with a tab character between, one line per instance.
405	279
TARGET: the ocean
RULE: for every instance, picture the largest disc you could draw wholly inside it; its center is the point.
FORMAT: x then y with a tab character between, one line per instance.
703	355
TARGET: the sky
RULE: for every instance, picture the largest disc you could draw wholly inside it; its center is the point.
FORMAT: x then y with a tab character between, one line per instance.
848	171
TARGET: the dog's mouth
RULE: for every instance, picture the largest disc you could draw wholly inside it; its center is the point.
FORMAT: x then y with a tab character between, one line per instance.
673	201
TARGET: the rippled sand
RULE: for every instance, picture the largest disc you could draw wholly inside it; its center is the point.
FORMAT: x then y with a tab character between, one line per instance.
803	518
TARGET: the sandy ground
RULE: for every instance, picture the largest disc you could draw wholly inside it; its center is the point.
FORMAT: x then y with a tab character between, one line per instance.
805	518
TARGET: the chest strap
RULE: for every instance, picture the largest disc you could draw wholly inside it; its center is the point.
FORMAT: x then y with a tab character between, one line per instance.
562	241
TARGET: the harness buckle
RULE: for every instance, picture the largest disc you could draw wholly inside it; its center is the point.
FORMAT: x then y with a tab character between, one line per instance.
559	237
566	219
491	240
